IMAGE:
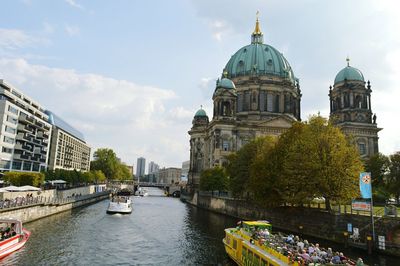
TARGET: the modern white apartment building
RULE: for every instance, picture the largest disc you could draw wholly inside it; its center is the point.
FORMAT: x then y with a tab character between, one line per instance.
24	132
68	149
140	167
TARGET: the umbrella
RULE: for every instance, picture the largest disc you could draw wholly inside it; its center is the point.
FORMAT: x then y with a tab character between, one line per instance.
30	188
12	188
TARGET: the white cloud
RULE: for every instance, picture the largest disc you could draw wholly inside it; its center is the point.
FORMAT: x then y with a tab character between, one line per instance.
73	3
132	119
72	30
12	39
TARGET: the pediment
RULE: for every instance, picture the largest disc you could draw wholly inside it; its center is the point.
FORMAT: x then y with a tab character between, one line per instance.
279	122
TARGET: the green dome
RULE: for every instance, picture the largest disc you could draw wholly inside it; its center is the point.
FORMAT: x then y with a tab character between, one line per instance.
200	113
226	84
260	59
349	73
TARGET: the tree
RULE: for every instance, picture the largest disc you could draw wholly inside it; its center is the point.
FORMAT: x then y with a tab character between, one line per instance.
378	165
213	179
394	175
238	168
106	161
24	178
263	175
319	162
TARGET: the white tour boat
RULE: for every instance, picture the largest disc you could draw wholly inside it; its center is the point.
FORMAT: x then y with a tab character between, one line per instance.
120	204
141	192
12	236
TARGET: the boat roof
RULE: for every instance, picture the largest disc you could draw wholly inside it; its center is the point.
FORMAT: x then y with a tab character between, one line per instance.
9	220
257	223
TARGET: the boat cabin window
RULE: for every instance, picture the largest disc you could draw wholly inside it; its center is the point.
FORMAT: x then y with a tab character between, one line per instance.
244	253
228	240
234	244
256	260
264	262
250	256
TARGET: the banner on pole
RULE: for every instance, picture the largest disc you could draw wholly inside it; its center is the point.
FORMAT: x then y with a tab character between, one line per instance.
365	185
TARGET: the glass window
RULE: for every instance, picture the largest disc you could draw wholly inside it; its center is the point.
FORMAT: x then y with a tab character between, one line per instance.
362	148
5	164
13	110
7	150
12	119
16	93
27	166
16	165
10	130
8	140
225	145
256	260
35	167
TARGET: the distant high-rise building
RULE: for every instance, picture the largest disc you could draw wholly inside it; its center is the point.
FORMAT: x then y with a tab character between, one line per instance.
153	168
140	168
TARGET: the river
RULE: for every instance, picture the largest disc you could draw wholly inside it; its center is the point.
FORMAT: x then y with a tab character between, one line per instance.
160	231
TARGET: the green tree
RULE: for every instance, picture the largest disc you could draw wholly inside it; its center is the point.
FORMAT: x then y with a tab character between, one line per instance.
319	162
378	165
394	175
106	161
263	175
24	178
122	172
213	179
238	168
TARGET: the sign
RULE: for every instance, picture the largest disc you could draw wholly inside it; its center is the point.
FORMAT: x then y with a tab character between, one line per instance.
365	185
360	205
349	227
381	242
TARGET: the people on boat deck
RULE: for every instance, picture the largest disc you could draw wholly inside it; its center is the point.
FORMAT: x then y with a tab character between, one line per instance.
299	250
7	232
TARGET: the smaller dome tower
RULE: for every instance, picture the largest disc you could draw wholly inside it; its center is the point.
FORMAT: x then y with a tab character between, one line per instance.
200	118
224	98
350	109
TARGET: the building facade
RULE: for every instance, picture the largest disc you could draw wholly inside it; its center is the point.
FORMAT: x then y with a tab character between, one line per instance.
169	175
258	94
140	167
25	132
351	111
68	148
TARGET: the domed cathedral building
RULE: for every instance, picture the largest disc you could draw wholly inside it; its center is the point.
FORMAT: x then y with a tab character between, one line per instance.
257	94
350	109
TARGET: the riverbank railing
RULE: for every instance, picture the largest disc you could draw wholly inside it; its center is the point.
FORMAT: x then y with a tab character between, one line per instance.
30	201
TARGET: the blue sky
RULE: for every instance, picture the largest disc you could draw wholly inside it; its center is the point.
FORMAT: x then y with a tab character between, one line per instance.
131	74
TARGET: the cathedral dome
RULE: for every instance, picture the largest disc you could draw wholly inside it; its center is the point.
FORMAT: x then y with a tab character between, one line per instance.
200	113
349	73
226	83
258	59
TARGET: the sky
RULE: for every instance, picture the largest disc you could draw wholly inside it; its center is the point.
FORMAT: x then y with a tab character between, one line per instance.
131	74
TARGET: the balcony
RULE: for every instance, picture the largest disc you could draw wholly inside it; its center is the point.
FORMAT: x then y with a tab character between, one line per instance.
18	146
23	128
23	118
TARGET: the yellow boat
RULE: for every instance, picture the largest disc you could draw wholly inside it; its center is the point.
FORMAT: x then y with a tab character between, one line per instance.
244	250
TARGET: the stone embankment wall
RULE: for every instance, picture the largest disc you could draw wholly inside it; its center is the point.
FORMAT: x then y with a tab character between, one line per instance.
34	212
306	221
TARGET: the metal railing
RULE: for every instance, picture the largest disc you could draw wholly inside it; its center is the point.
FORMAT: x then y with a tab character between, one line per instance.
31	201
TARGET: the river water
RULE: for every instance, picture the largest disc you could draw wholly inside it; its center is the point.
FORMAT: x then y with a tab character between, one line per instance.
160	231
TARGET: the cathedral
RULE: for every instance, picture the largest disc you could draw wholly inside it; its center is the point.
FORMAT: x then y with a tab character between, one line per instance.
258	94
